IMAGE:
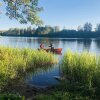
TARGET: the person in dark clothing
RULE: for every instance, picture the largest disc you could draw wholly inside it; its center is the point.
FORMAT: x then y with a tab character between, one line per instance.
52	48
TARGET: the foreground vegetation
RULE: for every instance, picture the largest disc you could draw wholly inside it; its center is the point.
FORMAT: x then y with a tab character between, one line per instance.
80	76
83	69
8	96
15	62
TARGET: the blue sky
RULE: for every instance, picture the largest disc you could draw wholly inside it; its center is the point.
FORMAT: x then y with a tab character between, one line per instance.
69	13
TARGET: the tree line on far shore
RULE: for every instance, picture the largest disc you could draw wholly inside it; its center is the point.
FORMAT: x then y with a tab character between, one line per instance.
84	31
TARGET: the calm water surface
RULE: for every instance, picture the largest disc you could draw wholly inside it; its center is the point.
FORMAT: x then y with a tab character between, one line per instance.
46	78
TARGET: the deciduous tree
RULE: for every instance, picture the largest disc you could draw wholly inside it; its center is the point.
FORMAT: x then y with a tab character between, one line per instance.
98	28
23	10
88	27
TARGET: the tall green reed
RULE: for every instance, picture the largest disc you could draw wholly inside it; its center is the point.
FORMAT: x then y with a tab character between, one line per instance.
14	61
80	67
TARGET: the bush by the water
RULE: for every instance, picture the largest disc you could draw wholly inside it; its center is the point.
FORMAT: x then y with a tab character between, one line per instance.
82	68
80	74
61	95
8	96
14	61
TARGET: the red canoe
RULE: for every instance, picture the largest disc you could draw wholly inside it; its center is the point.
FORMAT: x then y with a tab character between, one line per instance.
57	50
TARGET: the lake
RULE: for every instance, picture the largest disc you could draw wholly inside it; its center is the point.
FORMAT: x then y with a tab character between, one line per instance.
46	78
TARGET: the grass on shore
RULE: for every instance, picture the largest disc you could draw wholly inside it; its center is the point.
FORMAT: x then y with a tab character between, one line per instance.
8	96
14	61
82	68
81	73
81	78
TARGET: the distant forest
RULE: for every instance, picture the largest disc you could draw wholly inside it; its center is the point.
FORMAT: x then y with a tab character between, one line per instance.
84	31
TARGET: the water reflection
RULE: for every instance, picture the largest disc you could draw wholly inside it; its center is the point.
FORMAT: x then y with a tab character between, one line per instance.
97	43
43	77
73	44
85	44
